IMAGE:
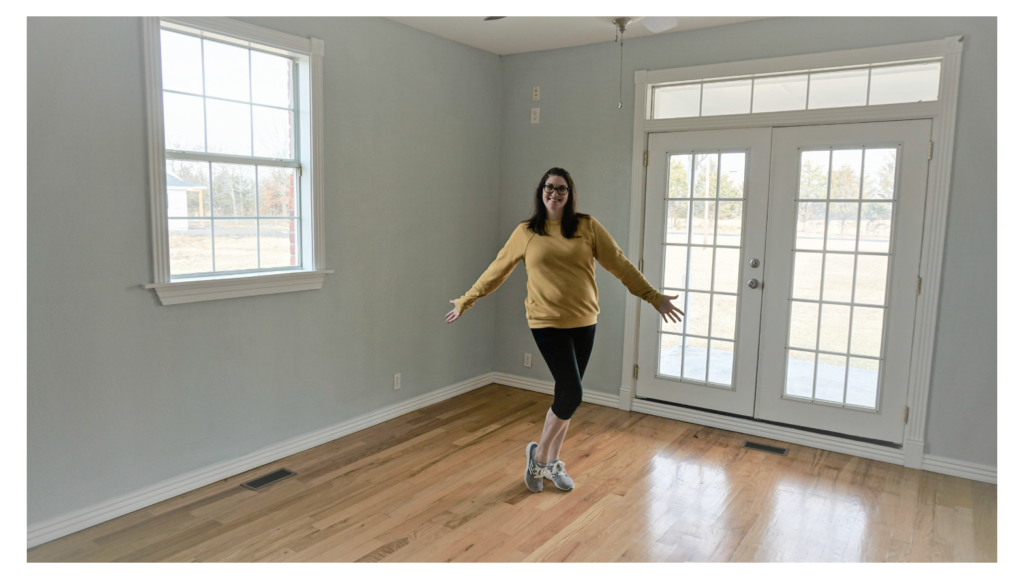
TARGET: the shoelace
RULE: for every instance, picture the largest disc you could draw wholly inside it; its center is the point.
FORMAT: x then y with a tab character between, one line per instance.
558	468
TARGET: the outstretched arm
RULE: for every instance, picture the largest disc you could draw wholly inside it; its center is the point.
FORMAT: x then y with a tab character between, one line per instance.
608	254
497	272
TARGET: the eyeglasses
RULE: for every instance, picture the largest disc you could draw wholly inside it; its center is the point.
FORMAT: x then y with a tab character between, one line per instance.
561	190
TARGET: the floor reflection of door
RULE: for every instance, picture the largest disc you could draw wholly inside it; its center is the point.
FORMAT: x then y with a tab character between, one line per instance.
706	207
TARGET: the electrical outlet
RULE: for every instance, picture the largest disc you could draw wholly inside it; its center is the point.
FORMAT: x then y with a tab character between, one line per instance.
534	116
528	360
536	93
398	381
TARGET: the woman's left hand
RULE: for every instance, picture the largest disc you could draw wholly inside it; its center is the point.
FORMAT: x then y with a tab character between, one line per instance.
669	312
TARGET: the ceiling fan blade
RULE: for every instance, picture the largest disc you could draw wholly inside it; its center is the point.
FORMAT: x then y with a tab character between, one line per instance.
658	24
493	18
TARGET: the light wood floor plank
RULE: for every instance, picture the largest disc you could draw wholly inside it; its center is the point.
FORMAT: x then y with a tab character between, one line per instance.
445	483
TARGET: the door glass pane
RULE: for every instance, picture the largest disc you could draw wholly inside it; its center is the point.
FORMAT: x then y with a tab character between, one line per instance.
780	93
847	88
705	170
835	328
803	325
675	266
720	362
814	174
679	175
838	285
830	380
234	244
844	182
730	221
875	227
670	355
862	383
723	316
671	102
879	173
698	313
807	275
800	374
727	269
677	218
703	222
695	359
700	267
810	225
731	97
842	226
732	175
866	336
872	272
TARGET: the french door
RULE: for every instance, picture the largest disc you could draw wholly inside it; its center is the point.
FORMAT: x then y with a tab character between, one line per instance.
704	239
799	288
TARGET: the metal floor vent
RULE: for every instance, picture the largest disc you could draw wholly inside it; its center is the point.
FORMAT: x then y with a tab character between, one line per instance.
268	479
766	448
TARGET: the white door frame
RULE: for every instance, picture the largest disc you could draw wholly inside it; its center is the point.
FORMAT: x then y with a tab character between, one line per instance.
943	114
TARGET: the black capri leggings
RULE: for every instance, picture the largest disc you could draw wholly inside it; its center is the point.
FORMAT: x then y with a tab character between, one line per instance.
566	351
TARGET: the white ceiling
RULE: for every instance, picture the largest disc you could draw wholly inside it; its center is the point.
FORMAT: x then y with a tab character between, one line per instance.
516	34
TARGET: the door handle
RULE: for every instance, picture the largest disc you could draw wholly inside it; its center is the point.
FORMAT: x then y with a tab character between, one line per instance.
753	283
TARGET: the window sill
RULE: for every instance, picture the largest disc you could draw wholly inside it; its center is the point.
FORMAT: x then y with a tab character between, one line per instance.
201	290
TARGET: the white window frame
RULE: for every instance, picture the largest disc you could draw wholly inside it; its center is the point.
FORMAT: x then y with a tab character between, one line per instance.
308	53
943	114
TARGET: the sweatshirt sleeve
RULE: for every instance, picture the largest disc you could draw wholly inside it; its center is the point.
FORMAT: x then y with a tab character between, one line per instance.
497	272
608	254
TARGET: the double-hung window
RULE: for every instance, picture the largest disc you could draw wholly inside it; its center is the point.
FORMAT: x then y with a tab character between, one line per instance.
234	144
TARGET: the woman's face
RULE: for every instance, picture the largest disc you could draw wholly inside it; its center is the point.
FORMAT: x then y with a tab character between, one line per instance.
555	199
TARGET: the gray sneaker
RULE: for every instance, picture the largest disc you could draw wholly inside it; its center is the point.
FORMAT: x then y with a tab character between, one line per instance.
554	471
534	476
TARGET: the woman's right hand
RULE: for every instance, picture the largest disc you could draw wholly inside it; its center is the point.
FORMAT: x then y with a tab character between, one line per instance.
452	315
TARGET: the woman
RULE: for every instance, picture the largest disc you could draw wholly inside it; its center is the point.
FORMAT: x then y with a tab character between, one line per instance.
558	246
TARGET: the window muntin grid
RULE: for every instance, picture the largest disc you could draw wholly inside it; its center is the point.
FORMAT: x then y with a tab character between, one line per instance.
702	246
867	85
233	183
841	257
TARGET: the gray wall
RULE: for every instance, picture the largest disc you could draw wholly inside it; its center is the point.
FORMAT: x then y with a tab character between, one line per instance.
123	392
582	130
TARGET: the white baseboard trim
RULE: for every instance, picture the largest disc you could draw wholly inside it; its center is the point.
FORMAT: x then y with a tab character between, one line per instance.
782	433
968	470
545	387
60	526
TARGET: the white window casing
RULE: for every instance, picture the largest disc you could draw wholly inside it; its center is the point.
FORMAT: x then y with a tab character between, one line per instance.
308	54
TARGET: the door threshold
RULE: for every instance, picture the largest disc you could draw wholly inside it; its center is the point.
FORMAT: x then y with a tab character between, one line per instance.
884	443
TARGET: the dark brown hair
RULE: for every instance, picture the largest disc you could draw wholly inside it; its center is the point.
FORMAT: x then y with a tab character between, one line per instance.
570	218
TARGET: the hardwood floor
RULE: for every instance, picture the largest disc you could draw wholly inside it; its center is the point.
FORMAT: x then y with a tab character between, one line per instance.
445	483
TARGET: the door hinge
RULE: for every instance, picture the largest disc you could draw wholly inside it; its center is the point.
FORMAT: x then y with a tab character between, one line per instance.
931	145
645	158
636	371
906	415
641	266
918	285
300	171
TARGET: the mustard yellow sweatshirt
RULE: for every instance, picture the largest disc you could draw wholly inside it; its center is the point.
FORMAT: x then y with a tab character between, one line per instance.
561	290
